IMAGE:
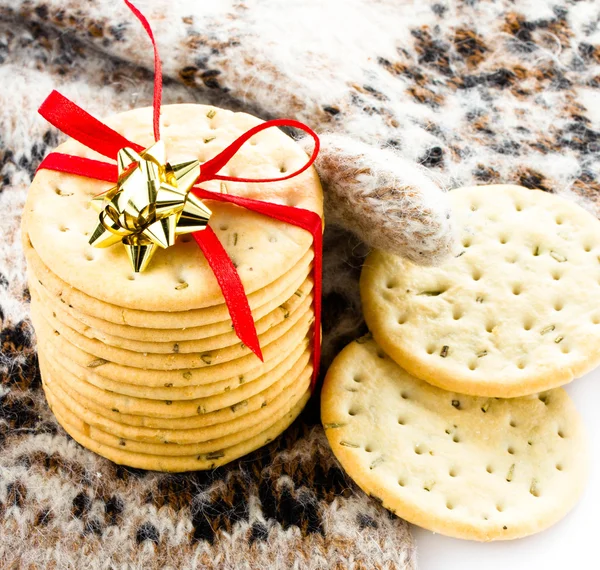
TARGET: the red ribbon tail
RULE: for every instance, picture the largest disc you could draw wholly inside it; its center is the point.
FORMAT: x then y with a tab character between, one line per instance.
158	80
232	288
318	292
305	219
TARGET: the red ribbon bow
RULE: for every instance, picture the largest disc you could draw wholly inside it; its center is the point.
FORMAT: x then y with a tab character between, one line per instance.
80	125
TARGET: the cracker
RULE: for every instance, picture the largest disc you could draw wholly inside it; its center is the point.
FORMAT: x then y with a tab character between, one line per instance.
300	319
213	377
148	425
217	314
214	396
464	466
187	414
144	334
59	218
515	311
177	441
188	463
230	338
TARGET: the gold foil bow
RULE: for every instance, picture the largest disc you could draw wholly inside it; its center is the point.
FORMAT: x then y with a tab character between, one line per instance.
150	205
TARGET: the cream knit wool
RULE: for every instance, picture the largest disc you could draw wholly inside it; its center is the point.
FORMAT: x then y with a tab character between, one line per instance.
474	92
385	199
275	88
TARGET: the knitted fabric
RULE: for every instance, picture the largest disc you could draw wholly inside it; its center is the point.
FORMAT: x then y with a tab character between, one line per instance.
385	199
410	97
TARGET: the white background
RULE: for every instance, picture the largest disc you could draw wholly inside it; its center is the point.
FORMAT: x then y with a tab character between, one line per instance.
571	544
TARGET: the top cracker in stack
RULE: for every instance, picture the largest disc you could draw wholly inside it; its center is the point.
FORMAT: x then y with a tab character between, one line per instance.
145	368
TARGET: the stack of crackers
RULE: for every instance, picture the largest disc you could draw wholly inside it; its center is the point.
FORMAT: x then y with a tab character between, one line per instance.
449	412
145	368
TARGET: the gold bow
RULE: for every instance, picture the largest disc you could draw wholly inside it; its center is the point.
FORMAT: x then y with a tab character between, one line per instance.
150	205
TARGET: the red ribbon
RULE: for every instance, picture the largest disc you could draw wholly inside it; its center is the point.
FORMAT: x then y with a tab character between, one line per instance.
83	127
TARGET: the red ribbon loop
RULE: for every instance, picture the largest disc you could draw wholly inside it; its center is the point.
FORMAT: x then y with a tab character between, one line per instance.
210	169
157	70
72	120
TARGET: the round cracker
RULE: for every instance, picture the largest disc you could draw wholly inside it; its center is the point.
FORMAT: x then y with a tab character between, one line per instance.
148	426
300	320
60	220
171	449
214	396
192	318
232	373
179	464
176	441
463	466
228	339
144	334
516	311
197	413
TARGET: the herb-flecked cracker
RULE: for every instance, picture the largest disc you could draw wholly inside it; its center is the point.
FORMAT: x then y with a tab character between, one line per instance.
203	461
59	219
301	318
169	441
211	396
210	319
271	319
204	381
514	312
170	414
182	332
469	467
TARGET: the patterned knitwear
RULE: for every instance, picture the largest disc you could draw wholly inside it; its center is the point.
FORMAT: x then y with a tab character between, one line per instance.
411	98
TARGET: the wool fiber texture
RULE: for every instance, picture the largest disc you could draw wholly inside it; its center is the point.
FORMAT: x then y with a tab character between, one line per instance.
412	98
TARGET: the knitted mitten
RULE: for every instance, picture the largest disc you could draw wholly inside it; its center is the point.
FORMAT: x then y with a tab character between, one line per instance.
229	56
385	199
446	86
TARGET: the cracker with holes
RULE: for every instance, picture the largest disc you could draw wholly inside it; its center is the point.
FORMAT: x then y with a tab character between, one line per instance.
59	216
281	313
514	312
81	432
146	367
469	467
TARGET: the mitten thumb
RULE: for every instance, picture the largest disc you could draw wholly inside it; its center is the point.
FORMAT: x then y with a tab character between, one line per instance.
388	201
